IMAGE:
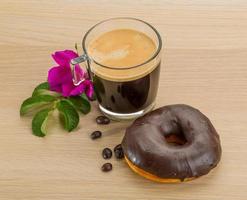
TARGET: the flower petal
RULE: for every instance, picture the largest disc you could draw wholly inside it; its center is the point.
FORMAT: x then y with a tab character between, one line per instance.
56	88
63	57
59	75
78	90
67	88
89	88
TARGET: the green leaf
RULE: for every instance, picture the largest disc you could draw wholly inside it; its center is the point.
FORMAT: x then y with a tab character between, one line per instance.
80	104
44	85
69	115
43	89
83	95
39	122
46	92
36	102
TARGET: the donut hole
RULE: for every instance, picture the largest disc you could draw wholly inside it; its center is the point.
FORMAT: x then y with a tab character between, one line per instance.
173	133
177	139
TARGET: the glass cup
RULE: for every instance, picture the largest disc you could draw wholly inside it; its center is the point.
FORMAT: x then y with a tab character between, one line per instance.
132	92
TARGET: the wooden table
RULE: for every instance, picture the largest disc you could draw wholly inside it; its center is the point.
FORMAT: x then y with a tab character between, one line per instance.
204	65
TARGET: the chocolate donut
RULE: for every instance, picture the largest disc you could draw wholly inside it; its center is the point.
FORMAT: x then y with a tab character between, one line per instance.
172	144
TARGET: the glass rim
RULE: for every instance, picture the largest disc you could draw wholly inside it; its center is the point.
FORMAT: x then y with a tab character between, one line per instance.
124	18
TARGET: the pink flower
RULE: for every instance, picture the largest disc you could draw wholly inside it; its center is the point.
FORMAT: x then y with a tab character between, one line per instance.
60	77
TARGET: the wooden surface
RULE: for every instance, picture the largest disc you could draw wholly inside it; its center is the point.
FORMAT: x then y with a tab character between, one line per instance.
204	65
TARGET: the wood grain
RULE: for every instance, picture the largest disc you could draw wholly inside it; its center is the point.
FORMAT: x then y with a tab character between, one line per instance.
204	65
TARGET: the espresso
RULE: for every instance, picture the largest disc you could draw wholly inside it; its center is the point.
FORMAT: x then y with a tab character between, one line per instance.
126	78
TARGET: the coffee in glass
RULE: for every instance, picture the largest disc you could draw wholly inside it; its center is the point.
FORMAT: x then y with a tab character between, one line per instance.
123	60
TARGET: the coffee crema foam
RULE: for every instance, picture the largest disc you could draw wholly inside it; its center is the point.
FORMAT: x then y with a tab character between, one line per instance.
119	49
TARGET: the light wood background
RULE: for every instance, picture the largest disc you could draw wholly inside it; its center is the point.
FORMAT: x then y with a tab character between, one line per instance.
204	65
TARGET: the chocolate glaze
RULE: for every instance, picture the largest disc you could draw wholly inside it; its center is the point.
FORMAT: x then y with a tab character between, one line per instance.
145	143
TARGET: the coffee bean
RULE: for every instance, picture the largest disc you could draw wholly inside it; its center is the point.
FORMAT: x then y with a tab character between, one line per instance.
102	120
119	154
107	153
118	151
96	134
119	146
106	167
